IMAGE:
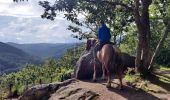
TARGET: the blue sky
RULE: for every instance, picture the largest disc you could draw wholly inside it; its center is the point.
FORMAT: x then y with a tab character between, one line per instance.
21	23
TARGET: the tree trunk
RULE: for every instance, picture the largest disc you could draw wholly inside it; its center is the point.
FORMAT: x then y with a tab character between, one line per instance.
51	79
114	38
146	37
26	85
160	44
140	31
120	38
10	89
143	25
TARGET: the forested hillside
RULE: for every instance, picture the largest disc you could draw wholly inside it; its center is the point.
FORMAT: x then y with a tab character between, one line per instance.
12	58
30	75
45	50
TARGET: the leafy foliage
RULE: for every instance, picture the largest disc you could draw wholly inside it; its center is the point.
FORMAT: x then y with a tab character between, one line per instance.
52	70
116	17
19	0
163	57
12	58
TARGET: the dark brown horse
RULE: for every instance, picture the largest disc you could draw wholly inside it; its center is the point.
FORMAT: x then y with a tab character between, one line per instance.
111	58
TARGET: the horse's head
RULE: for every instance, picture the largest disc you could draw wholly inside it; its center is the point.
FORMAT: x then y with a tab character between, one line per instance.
90	43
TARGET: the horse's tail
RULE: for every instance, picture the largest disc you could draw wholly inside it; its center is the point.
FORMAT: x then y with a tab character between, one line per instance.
121	68
116	60
112	61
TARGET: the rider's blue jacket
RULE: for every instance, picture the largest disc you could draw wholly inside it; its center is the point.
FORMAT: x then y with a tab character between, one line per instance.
104	34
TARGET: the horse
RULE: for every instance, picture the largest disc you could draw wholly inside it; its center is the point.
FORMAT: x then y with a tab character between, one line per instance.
110	58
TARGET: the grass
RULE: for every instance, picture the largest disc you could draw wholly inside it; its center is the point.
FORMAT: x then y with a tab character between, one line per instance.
131	78
163	79
158	83
163	68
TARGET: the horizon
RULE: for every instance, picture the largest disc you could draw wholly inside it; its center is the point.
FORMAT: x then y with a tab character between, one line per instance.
47	43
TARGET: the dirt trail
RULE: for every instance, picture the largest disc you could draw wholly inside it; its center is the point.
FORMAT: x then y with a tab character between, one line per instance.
128	93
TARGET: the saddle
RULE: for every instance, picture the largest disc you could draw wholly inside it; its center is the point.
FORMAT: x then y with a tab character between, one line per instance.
99	45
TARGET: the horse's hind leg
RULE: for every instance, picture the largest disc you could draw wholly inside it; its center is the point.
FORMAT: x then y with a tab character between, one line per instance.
103	75
108	78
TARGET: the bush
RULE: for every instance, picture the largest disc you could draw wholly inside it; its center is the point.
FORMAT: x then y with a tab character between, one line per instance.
164	57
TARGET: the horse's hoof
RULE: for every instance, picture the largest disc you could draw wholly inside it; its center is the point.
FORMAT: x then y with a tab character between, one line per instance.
121	88
94	80
103	78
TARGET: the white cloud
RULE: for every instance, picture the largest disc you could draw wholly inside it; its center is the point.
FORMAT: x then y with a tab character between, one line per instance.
21	9
21	23
35	30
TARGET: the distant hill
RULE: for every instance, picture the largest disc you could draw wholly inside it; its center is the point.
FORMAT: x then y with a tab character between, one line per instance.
12	58
45	50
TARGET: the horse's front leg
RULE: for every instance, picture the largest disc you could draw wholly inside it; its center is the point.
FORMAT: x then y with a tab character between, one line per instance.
120	81
94	73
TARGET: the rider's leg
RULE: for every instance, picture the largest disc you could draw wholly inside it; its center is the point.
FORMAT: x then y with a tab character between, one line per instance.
112	43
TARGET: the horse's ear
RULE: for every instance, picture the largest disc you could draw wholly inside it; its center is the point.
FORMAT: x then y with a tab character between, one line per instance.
88	45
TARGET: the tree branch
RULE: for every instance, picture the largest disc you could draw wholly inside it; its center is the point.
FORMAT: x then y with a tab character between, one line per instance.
160	44
112	4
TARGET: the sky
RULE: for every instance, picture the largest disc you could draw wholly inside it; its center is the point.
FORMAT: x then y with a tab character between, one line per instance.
21	23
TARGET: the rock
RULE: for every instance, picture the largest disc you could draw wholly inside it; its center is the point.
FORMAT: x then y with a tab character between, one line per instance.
60	90
73	89
73	93
84	66
43	92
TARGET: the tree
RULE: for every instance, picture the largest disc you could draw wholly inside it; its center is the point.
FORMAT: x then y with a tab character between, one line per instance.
115	17
19	0
144	34
160	44
139	10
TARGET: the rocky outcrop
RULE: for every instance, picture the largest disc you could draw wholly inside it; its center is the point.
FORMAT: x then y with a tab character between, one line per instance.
43	92
73	93
58	91
73	89
84	67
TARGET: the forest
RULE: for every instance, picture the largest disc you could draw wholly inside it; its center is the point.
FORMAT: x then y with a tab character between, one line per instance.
31	75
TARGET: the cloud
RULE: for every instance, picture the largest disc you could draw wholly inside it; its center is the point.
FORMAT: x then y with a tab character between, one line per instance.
21	23
21	9
35	30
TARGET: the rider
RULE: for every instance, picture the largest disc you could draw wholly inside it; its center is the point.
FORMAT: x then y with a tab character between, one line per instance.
103	36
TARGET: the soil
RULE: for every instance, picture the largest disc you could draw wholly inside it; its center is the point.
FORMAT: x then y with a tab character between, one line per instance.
128	92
